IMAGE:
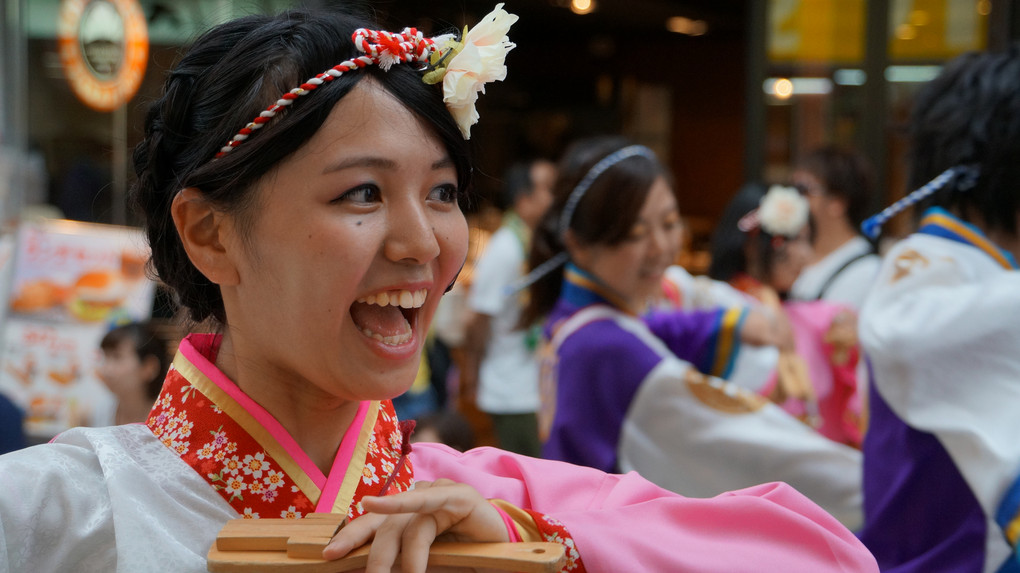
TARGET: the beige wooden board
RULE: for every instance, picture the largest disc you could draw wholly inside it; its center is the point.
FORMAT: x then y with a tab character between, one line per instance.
285	545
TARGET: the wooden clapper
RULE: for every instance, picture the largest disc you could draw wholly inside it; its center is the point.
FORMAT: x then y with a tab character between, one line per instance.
284	545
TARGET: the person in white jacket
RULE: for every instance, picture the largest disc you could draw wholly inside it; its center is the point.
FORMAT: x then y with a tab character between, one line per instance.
838	184
941	328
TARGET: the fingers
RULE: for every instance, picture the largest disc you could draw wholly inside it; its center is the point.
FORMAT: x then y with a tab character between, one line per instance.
448	501
416	540
407	523
353	535
458	509
389	543
407	535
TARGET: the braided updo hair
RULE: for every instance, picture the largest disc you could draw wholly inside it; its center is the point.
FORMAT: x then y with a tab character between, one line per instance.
227	77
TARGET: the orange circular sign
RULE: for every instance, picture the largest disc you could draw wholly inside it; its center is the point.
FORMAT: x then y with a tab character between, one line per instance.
104	47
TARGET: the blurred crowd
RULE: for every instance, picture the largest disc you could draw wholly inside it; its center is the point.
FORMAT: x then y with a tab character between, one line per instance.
864	369
877	375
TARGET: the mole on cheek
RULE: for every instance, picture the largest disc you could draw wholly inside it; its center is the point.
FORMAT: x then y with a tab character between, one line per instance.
359	223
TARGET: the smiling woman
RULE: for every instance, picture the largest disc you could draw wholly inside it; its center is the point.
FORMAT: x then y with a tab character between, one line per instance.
624	378
318	241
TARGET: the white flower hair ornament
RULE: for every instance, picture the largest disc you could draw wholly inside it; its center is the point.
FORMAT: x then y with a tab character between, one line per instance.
463	65
782	212
472	63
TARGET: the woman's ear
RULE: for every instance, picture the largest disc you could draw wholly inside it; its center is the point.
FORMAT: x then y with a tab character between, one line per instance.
835	207
205	232
150	367
578	253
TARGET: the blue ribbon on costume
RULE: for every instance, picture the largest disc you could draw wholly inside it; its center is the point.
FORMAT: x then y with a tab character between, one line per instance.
967	176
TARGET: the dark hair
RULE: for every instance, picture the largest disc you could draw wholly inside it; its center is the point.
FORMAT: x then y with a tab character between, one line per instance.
604	216
224	80
729	251
516	182
847	175
731	246
146	341
970	115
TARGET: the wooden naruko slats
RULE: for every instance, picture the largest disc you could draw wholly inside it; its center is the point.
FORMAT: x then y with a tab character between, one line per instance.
536	557
272	534
284	545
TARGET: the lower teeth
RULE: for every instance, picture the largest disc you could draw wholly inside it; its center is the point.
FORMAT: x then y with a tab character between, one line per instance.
388	340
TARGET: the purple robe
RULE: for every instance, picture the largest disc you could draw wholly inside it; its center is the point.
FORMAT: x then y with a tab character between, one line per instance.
600	367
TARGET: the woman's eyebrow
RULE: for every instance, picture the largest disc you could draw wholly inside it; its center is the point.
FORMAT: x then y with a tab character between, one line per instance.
378	162
363	161
442	163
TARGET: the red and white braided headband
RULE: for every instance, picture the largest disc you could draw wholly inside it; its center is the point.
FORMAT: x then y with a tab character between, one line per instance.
484	49
379	47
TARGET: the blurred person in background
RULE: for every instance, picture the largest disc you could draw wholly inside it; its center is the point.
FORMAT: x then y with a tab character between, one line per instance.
12	429
759	249
941	329
448	427
135	362
500	365
621	391
838	184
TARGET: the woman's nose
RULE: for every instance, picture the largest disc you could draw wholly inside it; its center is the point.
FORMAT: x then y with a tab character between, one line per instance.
662	240
411	235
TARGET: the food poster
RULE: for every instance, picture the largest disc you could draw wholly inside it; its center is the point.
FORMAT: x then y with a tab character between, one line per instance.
6	270
71	283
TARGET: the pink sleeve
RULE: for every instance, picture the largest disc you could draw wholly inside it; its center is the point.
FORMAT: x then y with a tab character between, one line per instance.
625	523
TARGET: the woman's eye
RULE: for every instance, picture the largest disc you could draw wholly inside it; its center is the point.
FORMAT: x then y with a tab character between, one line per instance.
444	193
368	193
637	233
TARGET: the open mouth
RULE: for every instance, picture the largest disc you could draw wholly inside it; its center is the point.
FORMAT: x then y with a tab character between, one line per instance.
387	316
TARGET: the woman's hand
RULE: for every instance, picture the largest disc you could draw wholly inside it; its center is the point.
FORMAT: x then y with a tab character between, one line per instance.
407	523
766	326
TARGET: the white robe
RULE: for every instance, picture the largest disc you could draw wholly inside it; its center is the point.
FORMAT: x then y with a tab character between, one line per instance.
701	436
941	327
850	286
60	504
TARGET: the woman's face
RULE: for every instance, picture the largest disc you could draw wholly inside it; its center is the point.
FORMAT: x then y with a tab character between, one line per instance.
788	260
355	239
122	371
633	269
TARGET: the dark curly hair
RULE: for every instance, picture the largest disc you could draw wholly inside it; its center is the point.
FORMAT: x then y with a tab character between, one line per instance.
847	175
970	115
225	79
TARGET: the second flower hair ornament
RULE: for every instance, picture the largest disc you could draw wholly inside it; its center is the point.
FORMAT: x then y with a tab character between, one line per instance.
782	212
464	66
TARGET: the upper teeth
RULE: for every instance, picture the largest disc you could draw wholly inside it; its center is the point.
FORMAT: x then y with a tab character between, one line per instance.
401	298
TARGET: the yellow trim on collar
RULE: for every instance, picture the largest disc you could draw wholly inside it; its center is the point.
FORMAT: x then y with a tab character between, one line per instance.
975	239
357	464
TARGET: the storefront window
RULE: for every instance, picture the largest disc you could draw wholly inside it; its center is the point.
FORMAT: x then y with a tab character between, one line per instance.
816	87
84	144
